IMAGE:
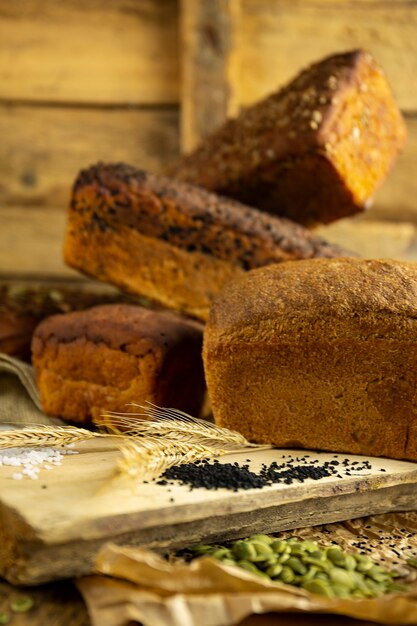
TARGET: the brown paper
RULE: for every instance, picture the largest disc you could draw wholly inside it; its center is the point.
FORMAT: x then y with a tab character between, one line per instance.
145	587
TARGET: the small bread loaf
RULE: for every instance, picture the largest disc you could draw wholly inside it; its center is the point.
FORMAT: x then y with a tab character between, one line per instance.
107	356
171	242
318	354
314	152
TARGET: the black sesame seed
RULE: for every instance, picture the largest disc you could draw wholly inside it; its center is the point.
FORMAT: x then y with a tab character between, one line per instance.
233	476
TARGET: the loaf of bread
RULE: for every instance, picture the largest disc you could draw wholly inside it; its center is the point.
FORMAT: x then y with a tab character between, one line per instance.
314	152
318	354
173	243
101	359
24	306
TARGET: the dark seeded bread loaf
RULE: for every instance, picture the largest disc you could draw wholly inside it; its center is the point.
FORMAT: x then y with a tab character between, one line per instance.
171	242
101	359
314	152
318	354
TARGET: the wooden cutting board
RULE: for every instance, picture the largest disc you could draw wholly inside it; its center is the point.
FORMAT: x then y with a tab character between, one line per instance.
53	527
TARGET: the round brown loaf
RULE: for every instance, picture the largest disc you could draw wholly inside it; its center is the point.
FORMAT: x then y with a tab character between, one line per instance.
320	354
109	356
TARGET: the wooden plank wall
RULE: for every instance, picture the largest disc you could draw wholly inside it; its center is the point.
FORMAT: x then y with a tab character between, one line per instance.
80	81
133	80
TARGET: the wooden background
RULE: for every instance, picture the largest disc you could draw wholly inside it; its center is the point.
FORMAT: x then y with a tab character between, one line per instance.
139	80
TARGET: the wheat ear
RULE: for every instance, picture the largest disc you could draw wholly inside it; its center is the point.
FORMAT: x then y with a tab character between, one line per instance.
170	437
53	436
174	424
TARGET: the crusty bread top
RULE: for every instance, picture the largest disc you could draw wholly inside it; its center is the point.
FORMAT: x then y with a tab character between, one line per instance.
300	117
284	120
118	326
309	296
191	218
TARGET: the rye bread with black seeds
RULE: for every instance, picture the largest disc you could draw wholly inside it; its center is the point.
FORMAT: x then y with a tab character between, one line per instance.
171	242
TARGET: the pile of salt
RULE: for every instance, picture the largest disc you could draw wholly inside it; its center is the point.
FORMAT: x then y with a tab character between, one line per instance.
32	460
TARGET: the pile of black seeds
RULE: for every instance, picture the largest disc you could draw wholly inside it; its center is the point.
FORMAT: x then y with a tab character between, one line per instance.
216	475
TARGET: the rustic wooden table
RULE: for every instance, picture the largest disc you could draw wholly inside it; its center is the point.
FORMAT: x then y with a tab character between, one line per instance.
60	604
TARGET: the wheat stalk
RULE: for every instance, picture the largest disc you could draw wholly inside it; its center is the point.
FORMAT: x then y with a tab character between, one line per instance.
53	436
174	424
170	437
149	446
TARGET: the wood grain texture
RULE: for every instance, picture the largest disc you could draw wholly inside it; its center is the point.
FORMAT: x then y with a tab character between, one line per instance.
396	200
52	528
118	51
210	66
43	149
374	239
31	241
280	37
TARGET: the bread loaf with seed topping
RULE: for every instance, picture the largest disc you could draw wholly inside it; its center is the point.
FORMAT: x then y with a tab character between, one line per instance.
173	243
106	357
318	354
313	152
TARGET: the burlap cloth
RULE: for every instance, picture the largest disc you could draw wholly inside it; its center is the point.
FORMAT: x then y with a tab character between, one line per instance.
19	397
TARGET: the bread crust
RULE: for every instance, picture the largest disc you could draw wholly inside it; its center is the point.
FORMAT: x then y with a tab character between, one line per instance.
315	151
171	242
318	354
108	356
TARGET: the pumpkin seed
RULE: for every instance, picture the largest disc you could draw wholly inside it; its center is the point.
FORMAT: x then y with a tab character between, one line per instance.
342	578
279	546
243	550
309	546
262	549
296	565
247	565
283	558
264	538
221	553
336	556
22	604
202	549
287	575
327	571
311	574
318	586
274	570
